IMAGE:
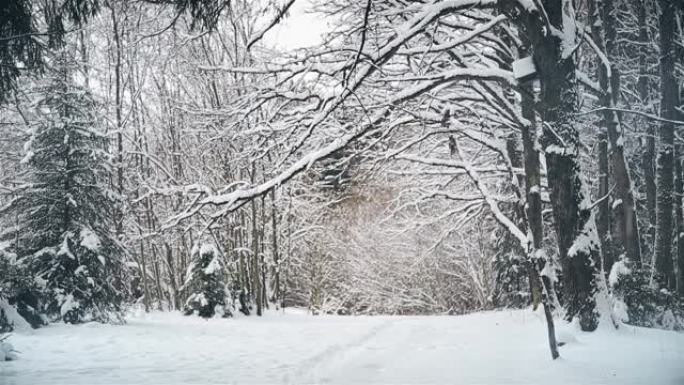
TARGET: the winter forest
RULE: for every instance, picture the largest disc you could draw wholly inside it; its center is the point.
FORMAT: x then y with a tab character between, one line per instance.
435	191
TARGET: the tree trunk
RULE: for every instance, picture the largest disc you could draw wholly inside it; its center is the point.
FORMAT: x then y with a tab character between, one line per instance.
143	275
276	256
256	270
118	106
574	224
603	217
648	158
170	265
245	289
157	277
534	217
665	171
625	212
679	216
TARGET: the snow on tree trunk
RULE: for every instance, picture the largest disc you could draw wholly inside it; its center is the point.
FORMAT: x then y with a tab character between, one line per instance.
602	18
648	157
665	163
542	283
554	49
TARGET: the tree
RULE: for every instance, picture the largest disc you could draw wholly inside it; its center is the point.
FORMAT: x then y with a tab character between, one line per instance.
205	284
554	41
604	34
669	95
63	235
20	44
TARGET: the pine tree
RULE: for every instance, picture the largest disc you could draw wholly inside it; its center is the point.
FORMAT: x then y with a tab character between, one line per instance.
63	234
16	290
205	284
512	287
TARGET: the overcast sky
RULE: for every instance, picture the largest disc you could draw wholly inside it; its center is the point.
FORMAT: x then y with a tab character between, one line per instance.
300	29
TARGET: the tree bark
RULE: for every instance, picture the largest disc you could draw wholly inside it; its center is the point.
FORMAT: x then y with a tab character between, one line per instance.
574	224
170	265
535	219
648	158
603	217
679	216
665	171
256	269
276	255
625	212
118	112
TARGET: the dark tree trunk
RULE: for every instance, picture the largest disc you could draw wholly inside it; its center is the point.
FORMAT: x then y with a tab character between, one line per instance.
276	255
170	265
118	112
256	269
574	224
603	216
538	283
626	228
665	171
679	215
648	158
625	213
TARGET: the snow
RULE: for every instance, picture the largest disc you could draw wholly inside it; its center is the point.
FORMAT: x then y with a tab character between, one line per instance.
213	266
523	68
619	269
89	239
208	248
69	304
7	352
507	347
17	321
554	149
64	247
27	158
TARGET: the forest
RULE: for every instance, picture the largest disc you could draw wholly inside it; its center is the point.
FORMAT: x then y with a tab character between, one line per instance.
428	157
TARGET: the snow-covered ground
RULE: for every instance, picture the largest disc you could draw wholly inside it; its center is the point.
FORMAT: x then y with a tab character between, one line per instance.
507	347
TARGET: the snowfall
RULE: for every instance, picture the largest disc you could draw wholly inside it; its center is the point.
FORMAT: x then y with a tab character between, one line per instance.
503	347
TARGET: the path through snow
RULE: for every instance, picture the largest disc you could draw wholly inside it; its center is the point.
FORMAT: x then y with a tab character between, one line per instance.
507	347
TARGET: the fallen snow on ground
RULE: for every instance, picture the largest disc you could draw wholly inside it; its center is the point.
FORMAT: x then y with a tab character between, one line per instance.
507	347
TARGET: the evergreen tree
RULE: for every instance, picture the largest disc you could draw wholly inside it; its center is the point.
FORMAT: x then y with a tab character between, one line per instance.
512	287
22	20
205	284
16	290
63	233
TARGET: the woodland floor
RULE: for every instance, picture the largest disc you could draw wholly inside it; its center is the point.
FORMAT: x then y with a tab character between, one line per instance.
506	347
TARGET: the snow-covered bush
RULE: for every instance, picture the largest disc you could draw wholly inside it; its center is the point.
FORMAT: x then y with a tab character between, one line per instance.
77	286
18	295
512	285
205	284
5	269
646	304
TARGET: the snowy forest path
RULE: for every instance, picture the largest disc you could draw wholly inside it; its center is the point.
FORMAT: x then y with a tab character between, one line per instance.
311	369
484	348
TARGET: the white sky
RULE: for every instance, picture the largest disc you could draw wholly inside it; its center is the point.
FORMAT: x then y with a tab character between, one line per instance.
299	29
